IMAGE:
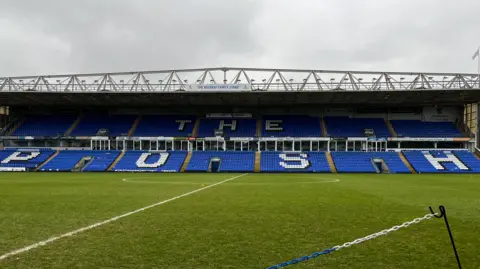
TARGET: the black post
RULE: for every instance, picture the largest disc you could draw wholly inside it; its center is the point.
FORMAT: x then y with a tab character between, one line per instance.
443	214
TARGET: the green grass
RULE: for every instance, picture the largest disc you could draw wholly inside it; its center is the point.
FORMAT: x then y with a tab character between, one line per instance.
251	222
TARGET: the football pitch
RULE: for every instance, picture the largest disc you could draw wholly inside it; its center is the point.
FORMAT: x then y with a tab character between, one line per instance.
124	220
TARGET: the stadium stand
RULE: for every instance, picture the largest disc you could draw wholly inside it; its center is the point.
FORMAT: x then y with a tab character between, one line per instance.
165	125
24	158
143	161
441	161
116	125
272	120
369	162
45	125
231	127
417	128
84	160
355	127
291	126
221	161
277	123
433	161
469	159
294	162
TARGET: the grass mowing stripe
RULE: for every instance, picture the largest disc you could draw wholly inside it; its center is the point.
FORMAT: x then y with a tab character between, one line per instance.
129	180
55	238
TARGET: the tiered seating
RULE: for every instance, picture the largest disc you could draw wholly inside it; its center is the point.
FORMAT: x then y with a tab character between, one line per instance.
361	162
294	162
469	159
443	161
142	161
169	126
355	127
67	159
231	127
291	126
238	161
101	161
45	125
24	158
92	123
416	128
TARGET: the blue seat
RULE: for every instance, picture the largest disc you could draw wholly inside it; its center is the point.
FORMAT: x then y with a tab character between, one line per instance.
361	162
242	127
170	161
26	158
417	128
165	125
421	164
45	125
230	161
294	162
355	127
292	126
92	123
67	159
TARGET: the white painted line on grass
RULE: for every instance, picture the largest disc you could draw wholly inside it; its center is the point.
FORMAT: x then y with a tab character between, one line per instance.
283	183
291	182
53	239
179	182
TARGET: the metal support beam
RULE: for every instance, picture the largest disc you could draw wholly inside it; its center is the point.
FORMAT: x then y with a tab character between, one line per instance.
262	79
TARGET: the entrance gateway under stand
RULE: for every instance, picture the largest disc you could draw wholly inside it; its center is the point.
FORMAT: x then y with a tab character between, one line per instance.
380	166
214	165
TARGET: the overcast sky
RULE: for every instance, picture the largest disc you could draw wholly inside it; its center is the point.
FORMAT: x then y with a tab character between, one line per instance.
63	36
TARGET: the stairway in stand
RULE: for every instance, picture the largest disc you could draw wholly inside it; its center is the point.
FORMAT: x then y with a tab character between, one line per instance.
331	163
324	127
196	127
74	125
259	127
390	128
47	160
15	127
257	161
187	160
407	163
134	126
119	157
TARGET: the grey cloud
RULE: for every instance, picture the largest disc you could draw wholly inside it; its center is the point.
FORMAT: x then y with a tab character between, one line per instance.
63	36
123	35
377	35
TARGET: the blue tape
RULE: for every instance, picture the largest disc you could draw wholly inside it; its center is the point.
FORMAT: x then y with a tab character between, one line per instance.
302	259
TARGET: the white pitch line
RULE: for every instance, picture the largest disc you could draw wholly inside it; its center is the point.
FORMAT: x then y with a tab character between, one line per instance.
53	239
293	182
129	180
284	183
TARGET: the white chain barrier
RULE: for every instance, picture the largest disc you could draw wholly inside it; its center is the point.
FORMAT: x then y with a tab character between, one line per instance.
384	232
354	242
